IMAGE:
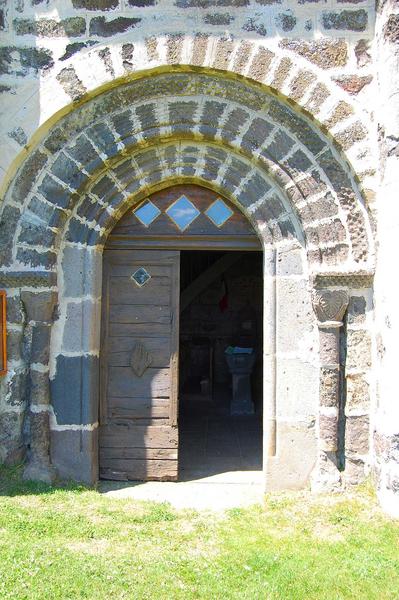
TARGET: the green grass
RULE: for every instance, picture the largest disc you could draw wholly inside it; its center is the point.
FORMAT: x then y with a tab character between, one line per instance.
73	543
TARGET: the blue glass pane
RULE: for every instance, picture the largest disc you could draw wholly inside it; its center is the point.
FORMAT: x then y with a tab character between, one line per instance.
141	276
219	213
183	212
147	213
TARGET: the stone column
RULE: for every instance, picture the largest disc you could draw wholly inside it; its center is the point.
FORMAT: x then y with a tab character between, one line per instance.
330	307
39	308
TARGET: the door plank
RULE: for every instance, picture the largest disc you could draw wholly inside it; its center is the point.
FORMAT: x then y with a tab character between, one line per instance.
154	383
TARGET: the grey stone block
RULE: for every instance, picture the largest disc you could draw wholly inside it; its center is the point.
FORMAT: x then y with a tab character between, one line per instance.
298	163
83	152
279	147
351	20
39	306
14	388
289	262
357	394
34	233
15	310
103	139
298	126
356	310
53	191
75	455
50	214
236	171
209	120
40	344
12	449
8	224
89	209
295	315
256	134
39	390
253	190
27	175
236	119
182	112
78	232
68	171
74	390
357	433
297	387
81	329
29	60
32	258
75	47
103	28
95	4
218	19
358	354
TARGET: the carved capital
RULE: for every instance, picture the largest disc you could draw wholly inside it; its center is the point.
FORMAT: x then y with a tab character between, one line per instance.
329	305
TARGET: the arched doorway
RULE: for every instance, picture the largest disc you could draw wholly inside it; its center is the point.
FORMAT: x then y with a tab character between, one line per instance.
182	283
280	168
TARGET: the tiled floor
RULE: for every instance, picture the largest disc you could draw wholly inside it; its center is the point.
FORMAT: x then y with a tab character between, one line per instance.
212	442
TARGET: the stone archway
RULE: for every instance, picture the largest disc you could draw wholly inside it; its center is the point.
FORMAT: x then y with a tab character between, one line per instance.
270	160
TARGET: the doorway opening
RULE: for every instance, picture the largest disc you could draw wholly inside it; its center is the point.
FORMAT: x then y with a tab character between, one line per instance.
220	363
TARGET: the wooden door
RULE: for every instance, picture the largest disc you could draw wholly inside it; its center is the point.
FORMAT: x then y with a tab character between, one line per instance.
139	365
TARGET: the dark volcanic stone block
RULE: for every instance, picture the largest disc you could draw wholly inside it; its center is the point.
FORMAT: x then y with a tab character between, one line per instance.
68	171
74	390
75	455
29	59
32	258
8	224
72	27
25	179
52	191
256	134
99	26
95	4
352	20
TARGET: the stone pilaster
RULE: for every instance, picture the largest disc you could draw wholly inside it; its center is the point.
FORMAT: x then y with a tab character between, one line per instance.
39	308
330	307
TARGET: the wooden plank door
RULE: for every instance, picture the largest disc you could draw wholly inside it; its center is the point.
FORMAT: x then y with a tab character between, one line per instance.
139	365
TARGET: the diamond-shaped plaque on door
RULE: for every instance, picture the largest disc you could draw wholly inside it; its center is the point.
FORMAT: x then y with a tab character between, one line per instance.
141	276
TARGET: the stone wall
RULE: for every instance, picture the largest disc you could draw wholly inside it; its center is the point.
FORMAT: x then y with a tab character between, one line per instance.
309	50
270	102
386	425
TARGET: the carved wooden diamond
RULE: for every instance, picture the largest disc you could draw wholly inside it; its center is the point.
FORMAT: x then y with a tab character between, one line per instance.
140	359
141	276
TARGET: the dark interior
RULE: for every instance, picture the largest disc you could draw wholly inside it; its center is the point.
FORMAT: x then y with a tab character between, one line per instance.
221	306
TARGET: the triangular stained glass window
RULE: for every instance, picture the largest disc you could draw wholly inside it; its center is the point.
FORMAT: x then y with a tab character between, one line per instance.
147	213
219	213
182	212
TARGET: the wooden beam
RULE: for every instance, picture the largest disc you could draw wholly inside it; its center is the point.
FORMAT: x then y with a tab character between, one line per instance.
207	277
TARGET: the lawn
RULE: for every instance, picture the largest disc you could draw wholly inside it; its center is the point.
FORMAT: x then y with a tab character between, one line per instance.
75	543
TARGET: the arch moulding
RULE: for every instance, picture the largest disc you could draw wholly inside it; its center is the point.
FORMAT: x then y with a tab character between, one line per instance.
266	156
